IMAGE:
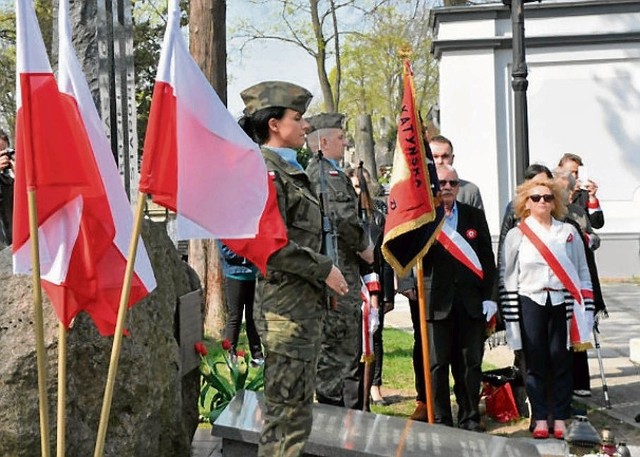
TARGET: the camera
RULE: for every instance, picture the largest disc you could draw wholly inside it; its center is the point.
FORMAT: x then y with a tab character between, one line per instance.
11	154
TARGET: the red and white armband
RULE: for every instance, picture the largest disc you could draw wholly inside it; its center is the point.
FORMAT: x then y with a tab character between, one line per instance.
372	281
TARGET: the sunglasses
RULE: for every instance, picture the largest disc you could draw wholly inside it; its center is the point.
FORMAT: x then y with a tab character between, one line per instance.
546	197
452	182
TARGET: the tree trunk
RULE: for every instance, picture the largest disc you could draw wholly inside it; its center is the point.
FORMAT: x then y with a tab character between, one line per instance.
207	43
364	144
325	84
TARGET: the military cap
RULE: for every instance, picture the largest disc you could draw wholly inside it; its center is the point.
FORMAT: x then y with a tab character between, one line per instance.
275	93
325	121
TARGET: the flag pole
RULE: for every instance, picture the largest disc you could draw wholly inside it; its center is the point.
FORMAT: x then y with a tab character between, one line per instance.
39	324
424	337
117	338
62	389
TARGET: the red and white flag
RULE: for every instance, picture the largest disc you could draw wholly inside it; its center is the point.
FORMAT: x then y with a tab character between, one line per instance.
62	152
197	160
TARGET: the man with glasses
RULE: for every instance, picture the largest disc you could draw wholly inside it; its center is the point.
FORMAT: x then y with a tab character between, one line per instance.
459	278
467	192
442	151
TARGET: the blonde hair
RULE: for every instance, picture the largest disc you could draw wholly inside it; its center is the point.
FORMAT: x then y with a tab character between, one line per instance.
522	195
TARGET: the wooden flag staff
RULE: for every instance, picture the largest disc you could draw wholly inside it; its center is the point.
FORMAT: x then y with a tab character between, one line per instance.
62	390
117	337
424	337
39	324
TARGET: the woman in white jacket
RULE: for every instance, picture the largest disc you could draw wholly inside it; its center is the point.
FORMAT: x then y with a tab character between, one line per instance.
546	299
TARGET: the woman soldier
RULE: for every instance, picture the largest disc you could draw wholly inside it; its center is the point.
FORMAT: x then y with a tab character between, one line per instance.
290	299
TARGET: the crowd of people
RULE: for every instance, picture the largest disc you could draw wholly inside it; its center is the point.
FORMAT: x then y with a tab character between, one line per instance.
544	270
304	318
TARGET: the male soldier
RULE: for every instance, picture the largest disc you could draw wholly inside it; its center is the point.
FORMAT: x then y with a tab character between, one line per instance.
338	376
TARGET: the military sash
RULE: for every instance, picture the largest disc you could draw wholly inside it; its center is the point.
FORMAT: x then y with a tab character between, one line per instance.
563	268
460	249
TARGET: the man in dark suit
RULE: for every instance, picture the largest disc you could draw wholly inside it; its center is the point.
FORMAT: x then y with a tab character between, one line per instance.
459	276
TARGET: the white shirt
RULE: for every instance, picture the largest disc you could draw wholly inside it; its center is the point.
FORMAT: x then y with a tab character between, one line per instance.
535	278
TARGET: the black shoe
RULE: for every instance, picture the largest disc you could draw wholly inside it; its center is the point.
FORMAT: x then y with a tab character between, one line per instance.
473	426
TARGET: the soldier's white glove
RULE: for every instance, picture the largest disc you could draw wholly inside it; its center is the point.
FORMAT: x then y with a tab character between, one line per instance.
489	308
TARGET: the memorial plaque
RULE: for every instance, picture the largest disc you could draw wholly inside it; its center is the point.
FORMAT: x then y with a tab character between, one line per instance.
190	329
341	432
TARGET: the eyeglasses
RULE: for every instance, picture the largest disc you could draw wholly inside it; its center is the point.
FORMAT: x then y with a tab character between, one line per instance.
546	197
452	182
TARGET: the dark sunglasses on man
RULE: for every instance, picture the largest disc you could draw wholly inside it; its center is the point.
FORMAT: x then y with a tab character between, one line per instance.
452	182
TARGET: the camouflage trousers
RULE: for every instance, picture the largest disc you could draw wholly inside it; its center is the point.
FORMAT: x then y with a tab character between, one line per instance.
339	373
288	392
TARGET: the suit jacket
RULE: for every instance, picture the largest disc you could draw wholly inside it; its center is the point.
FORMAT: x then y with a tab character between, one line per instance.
448	279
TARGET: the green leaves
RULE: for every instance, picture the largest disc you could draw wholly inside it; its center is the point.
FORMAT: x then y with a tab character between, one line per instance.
222	376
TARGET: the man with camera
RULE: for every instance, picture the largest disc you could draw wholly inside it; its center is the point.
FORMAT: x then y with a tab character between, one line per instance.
7	164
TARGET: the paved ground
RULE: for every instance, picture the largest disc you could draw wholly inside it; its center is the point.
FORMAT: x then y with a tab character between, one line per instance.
621	376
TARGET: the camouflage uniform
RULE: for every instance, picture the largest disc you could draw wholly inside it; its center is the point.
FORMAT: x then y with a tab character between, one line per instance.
339	373
289	312
290	303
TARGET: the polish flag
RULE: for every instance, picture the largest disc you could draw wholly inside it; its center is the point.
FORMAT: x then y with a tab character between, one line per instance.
62	153
197	160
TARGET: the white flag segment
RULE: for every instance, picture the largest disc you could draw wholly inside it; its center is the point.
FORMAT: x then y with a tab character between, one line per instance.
71	81
197	160
34	60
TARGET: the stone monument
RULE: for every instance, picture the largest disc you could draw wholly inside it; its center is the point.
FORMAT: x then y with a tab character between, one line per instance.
340	432
154	410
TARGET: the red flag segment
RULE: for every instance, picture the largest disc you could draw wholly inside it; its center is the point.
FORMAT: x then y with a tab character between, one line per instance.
271	237
413	218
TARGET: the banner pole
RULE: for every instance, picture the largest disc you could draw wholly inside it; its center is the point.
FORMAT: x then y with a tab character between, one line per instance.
117	338
424	337
39	324
62	390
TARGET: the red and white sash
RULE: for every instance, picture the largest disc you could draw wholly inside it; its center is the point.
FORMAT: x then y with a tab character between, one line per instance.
368	326
459	248
563	268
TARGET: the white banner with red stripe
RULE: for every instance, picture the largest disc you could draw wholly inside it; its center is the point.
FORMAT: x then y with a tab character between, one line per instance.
459	248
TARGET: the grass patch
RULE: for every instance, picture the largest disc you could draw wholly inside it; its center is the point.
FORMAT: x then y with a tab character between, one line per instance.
398	384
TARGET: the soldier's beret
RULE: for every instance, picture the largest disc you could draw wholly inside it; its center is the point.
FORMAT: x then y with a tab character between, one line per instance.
325	121
275	93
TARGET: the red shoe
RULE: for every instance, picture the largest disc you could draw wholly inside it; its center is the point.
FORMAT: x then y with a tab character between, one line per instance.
559	429
541	432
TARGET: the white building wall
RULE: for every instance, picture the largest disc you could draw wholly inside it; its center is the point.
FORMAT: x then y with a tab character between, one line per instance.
583	97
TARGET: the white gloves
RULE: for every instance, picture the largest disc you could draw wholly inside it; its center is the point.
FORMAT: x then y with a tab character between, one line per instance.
374	320
489	308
